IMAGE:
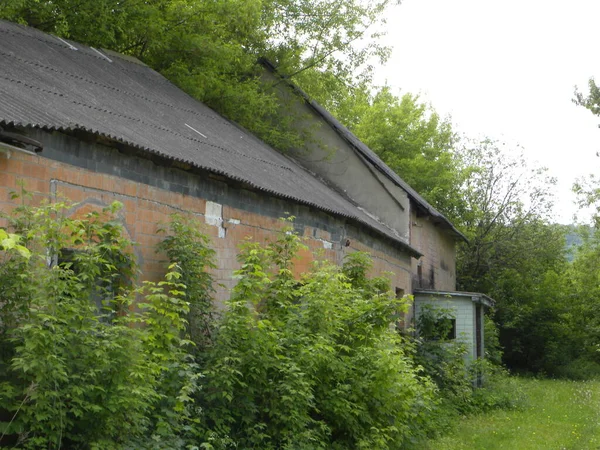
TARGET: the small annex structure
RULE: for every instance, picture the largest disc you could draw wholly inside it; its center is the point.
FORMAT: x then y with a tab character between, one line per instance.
93	126
467	310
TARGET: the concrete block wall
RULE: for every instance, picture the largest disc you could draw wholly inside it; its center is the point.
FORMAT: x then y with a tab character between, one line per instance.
463	309
93	175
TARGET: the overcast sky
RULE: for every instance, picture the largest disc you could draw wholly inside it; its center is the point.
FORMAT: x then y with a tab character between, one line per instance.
506	69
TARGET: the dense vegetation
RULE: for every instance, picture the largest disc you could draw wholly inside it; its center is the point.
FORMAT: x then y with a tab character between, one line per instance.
76	373
309	363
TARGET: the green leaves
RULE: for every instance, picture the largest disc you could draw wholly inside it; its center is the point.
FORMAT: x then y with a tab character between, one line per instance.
311	363
77	373
10	242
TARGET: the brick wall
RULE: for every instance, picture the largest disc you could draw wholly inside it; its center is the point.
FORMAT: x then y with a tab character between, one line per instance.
436	269
94	175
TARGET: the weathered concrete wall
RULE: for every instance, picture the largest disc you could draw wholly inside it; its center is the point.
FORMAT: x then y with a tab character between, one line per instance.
334	160
436	269
94	175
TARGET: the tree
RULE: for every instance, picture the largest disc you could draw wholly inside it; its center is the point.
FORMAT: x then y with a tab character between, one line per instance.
513	253
210	48
592	101
411	138
504	198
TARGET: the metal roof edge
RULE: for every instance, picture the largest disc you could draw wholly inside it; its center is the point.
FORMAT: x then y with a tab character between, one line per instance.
476	297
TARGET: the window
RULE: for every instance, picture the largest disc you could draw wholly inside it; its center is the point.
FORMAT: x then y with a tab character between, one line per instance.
446	328
436	324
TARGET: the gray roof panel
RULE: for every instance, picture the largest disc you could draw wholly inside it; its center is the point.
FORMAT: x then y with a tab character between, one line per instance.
44	83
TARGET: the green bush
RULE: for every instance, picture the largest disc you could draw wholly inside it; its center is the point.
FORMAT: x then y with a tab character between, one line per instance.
79	371
314	363
579	369
465	387
443	357
90	360
498	389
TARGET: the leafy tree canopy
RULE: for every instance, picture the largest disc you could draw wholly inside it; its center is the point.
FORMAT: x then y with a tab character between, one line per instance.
210	48
592	100
413	140
514	253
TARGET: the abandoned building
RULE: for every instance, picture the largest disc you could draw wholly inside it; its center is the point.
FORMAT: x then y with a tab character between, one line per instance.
93	126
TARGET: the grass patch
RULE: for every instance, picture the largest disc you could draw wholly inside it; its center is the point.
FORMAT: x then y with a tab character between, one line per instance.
559	415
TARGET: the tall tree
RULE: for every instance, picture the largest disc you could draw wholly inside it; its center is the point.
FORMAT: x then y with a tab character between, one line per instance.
209	48
502	196
513	253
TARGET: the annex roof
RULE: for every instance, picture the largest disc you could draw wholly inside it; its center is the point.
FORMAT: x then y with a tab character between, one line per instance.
475	297
366	152
53	84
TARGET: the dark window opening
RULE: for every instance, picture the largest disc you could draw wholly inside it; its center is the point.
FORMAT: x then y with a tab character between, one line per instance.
432	278
446	329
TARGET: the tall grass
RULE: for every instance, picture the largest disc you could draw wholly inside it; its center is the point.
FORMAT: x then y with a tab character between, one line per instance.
559	415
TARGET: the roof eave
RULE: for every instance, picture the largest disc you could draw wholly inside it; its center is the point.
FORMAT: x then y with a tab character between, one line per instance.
397	241
476	297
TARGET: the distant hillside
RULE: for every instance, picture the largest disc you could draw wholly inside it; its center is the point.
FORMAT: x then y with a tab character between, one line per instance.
573	238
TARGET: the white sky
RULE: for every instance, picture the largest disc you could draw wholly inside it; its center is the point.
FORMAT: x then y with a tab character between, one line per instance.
506	69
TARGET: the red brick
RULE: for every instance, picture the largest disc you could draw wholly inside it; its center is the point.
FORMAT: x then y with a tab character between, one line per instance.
131	189
36	171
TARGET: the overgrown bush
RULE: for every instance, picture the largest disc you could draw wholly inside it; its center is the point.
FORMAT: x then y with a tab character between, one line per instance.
312	363
78	368
90	360
190	255
498	390
465	387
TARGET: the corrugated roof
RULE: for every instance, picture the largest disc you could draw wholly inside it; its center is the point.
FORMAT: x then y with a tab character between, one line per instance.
364	150
46	83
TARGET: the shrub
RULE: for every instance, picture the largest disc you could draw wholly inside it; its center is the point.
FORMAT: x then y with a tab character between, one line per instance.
80	369
190	255
580	369
90	360
443	357
465	387
498	391
311	363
